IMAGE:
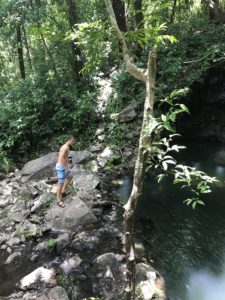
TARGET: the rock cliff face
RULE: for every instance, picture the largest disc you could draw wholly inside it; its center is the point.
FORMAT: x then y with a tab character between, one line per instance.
206	103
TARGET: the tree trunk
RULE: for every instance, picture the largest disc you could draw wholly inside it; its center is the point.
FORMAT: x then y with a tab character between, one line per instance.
214	10
139	17
20	52
48	51
75	51
27	49
148	76
49	54
173	11
3	69
139	23
120	13
139	172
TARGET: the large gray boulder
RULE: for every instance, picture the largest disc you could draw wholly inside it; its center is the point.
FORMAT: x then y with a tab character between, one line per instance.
79	157
41	275
74	214
84	180
126	115
58	293
39	168
150	283
43	166
110	274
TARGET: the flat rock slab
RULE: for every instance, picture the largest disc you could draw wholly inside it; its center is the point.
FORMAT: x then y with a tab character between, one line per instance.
74	214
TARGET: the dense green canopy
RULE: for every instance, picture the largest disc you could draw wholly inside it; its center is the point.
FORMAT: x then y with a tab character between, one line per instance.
52	51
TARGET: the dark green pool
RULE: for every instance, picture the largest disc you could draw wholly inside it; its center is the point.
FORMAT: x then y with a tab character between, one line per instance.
187	246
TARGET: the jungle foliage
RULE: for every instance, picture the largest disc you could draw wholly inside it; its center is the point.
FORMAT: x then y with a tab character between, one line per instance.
53	51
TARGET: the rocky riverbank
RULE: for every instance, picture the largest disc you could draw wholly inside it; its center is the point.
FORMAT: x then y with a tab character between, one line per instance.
48	252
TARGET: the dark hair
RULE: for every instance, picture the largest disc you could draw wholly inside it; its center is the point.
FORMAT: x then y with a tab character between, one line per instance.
70	137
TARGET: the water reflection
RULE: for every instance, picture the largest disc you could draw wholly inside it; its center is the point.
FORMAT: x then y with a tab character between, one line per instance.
187	246
204	285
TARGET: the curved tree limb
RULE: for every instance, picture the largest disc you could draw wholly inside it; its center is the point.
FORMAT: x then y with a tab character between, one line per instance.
136	72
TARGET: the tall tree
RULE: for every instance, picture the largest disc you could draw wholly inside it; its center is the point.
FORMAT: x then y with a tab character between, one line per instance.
172	16
27	48
148	76
120	14
215	11
139	17
20	51
76	53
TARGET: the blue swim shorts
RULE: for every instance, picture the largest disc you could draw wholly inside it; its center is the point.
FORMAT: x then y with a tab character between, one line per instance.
61	173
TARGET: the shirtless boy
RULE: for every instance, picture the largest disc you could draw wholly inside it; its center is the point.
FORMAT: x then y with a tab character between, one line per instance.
63	172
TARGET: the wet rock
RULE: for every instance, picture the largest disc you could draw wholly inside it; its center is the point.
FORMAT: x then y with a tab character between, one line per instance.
62	242
4	201
13	242
41	201
101	137
150	282
18	295
107	259
58	293
110	275
96	148
84	180
74	214
34	257
3	247
92	166
35	219
21	194
18	211
13	258
18	216
105	156
110	231
87	195
26	229
43	246
79	157
40	275
126	115
35	296
85	241
72	264
3	238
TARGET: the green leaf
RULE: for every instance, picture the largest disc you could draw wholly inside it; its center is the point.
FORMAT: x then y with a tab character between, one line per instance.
160	177
184	108
200	202
165	166
163	117
188	201
172	162
168	126
173	116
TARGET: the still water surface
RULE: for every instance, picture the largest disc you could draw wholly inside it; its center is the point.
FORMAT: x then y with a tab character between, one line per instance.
187	246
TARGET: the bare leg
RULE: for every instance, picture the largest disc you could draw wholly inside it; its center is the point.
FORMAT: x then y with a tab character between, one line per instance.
58	192
66	183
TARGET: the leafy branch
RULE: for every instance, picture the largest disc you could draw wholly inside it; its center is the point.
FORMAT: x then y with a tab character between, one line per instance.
162	149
